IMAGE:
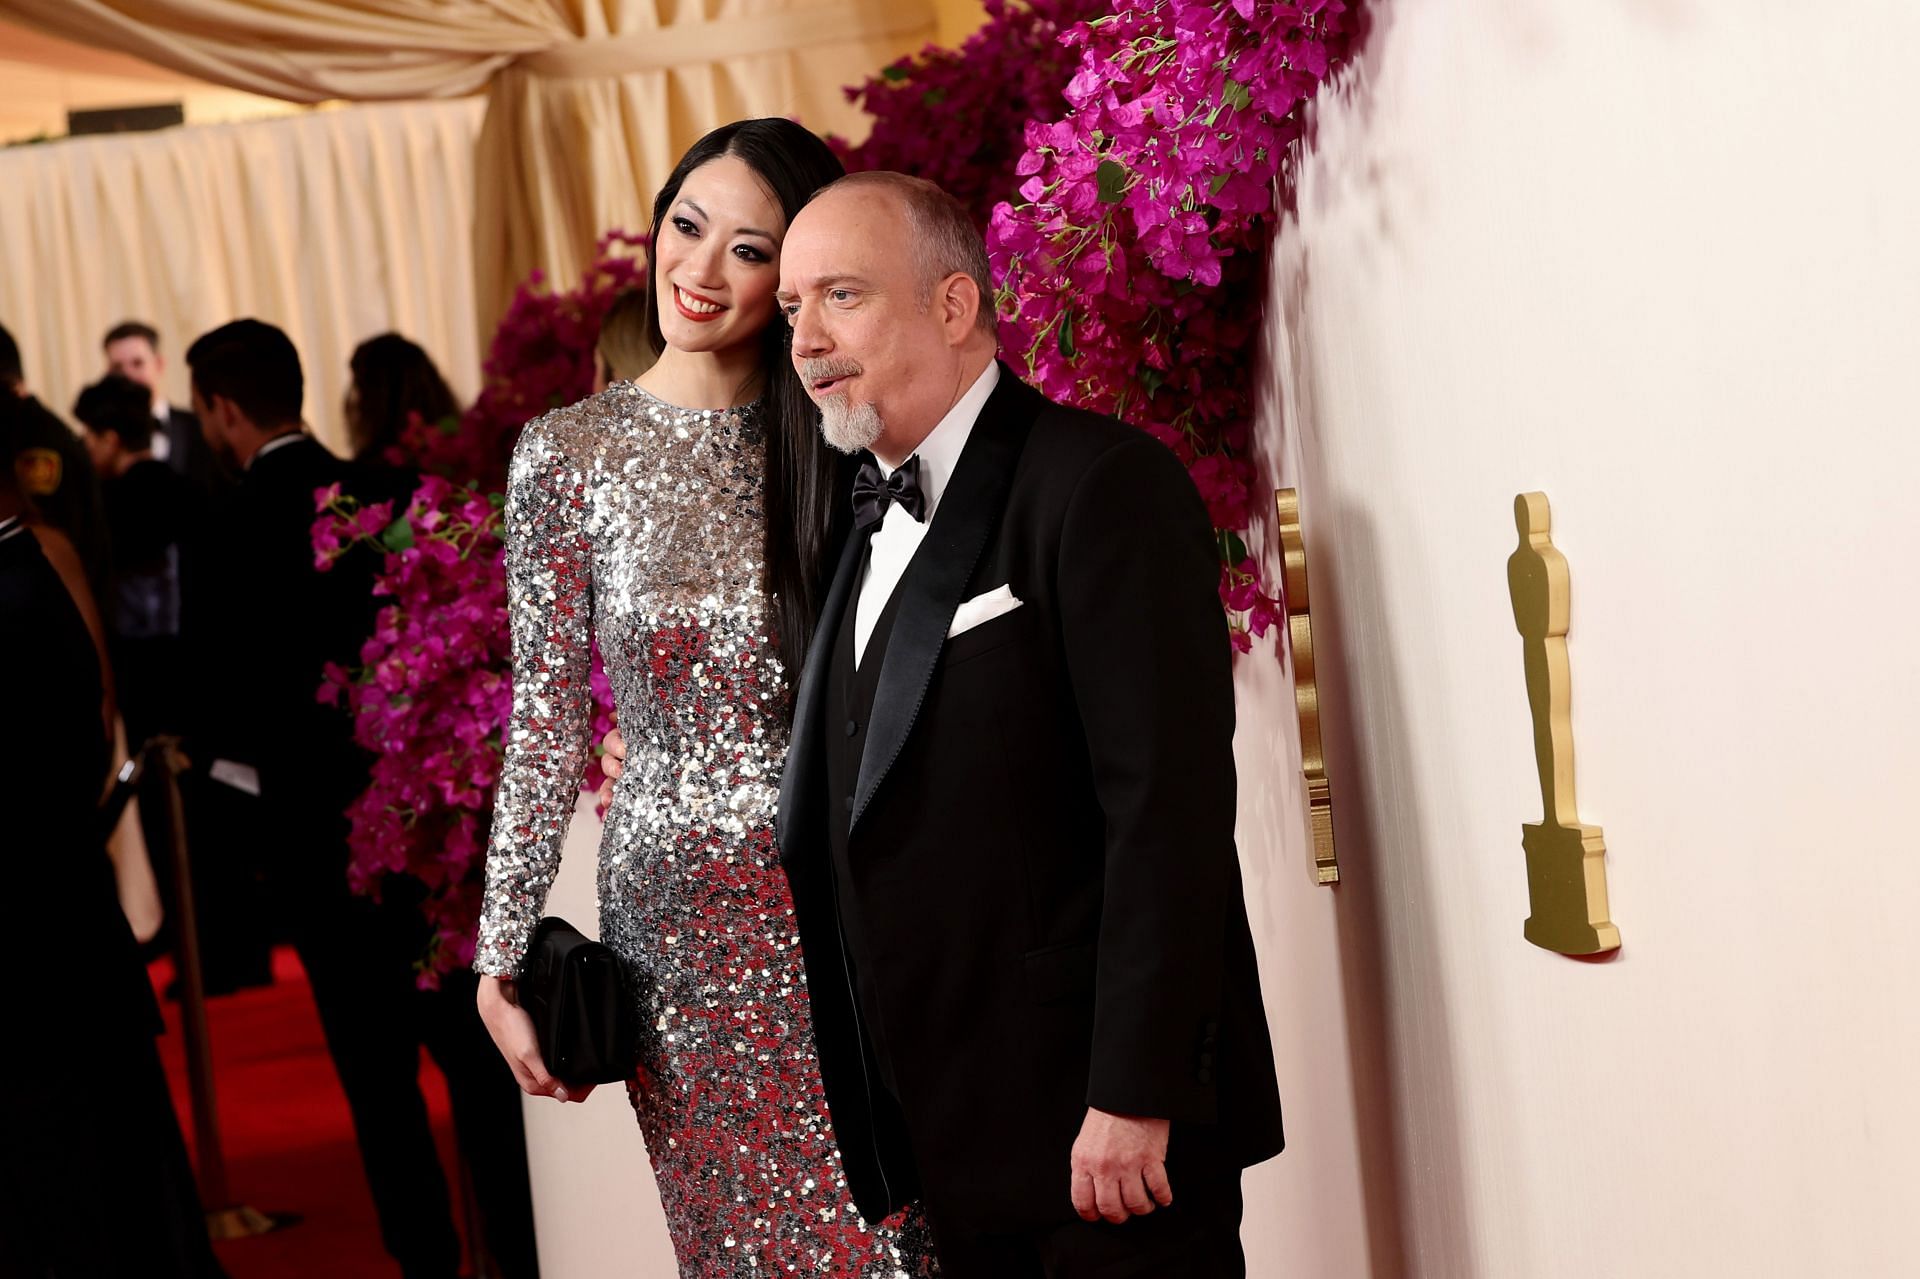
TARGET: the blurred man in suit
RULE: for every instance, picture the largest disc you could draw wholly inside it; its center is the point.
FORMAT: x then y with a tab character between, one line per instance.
133	352
152	513
271	621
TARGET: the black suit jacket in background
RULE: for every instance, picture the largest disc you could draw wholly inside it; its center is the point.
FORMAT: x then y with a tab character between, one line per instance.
189	454
262	623
1043	898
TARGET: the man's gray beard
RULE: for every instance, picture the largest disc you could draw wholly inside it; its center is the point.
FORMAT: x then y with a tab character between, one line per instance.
849	427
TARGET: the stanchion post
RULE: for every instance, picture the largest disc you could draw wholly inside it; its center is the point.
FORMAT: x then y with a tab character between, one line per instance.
225	1218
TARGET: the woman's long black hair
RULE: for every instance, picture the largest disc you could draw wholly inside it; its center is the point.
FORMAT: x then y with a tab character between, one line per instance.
803	515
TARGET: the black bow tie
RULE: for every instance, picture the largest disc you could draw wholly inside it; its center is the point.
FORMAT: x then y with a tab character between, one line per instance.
872	495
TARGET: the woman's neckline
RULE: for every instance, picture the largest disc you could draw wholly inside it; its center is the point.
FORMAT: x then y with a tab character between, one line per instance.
743	410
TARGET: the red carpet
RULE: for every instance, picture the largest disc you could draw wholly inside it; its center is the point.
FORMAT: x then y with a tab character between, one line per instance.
286	1132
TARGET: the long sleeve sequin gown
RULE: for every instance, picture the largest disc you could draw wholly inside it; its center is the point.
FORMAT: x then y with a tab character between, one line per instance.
641	523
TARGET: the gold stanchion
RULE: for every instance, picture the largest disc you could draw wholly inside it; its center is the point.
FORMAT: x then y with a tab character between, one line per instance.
225	1218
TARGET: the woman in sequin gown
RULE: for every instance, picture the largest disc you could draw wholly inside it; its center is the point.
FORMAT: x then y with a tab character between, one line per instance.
683	520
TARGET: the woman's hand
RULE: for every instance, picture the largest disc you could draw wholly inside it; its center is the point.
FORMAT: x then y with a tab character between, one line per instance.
512	1032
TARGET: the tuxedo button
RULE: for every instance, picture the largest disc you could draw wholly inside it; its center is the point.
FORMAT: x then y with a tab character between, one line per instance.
852	728
1206	1061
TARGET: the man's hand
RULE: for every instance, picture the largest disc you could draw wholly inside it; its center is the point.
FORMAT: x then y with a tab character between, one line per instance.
612	762
1120	1167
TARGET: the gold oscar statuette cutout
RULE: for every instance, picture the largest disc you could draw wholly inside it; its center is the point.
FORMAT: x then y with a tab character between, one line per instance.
1306	695
1566	858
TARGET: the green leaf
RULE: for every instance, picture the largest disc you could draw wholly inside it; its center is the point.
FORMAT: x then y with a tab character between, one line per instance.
896	73
933	97
1235	548
496	500
397	536
1066	336
1152	379
1112	178
1236	96
1219	180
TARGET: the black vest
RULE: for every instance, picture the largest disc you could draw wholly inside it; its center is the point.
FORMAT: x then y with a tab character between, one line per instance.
850	693
849	706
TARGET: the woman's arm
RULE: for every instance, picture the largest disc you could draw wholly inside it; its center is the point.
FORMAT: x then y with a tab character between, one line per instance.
550	608
550	605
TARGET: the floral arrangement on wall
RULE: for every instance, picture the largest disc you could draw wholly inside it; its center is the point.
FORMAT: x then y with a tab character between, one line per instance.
1122	156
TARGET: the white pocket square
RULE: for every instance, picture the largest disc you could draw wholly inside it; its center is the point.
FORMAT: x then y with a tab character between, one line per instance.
983	608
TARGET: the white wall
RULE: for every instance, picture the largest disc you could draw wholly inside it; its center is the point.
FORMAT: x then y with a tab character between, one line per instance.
1661	261
596	1211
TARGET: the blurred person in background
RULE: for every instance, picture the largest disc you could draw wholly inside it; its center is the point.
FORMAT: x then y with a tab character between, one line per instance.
51	466
270	620
95	1179
625	349
393	379
152	512
154	520
133	352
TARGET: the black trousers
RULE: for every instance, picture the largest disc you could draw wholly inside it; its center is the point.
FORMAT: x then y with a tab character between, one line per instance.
1196	1237
359	959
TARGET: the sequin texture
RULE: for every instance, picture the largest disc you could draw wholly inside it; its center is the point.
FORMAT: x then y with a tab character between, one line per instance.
641	524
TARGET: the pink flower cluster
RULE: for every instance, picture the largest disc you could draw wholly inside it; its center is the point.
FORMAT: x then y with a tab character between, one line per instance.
956	116
1130	268
428	699
433	690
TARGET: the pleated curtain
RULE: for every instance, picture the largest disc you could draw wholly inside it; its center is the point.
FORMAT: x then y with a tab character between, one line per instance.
335	225
589	102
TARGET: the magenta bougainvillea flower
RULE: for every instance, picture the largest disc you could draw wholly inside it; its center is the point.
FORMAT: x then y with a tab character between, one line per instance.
1131	266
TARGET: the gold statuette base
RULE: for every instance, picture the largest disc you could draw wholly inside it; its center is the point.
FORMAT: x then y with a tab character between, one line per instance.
1567	884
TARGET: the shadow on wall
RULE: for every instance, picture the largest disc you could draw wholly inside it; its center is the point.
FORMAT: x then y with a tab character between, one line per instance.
1380	834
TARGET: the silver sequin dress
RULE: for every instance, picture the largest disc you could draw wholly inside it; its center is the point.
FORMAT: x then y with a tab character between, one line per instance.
640	523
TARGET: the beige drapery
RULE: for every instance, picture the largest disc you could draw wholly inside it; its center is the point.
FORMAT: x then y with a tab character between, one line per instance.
335	225
589	101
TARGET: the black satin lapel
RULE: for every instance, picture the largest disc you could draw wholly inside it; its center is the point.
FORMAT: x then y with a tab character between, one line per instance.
932	588
800	784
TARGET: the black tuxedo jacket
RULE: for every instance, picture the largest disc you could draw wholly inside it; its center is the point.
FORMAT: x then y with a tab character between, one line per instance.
1046	907
189	454
263	622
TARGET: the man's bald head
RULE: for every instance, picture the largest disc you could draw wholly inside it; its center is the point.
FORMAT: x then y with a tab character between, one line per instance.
942	235
885	283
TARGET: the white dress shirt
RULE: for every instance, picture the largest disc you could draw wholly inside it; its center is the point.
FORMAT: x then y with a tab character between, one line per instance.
277	442
899	534
162	419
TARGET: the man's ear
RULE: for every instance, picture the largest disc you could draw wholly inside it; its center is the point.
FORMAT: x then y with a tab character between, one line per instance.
960	304
217	410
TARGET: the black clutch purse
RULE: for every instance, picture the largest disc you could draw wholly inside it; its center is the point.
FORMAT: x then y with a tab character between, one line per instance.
575	991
